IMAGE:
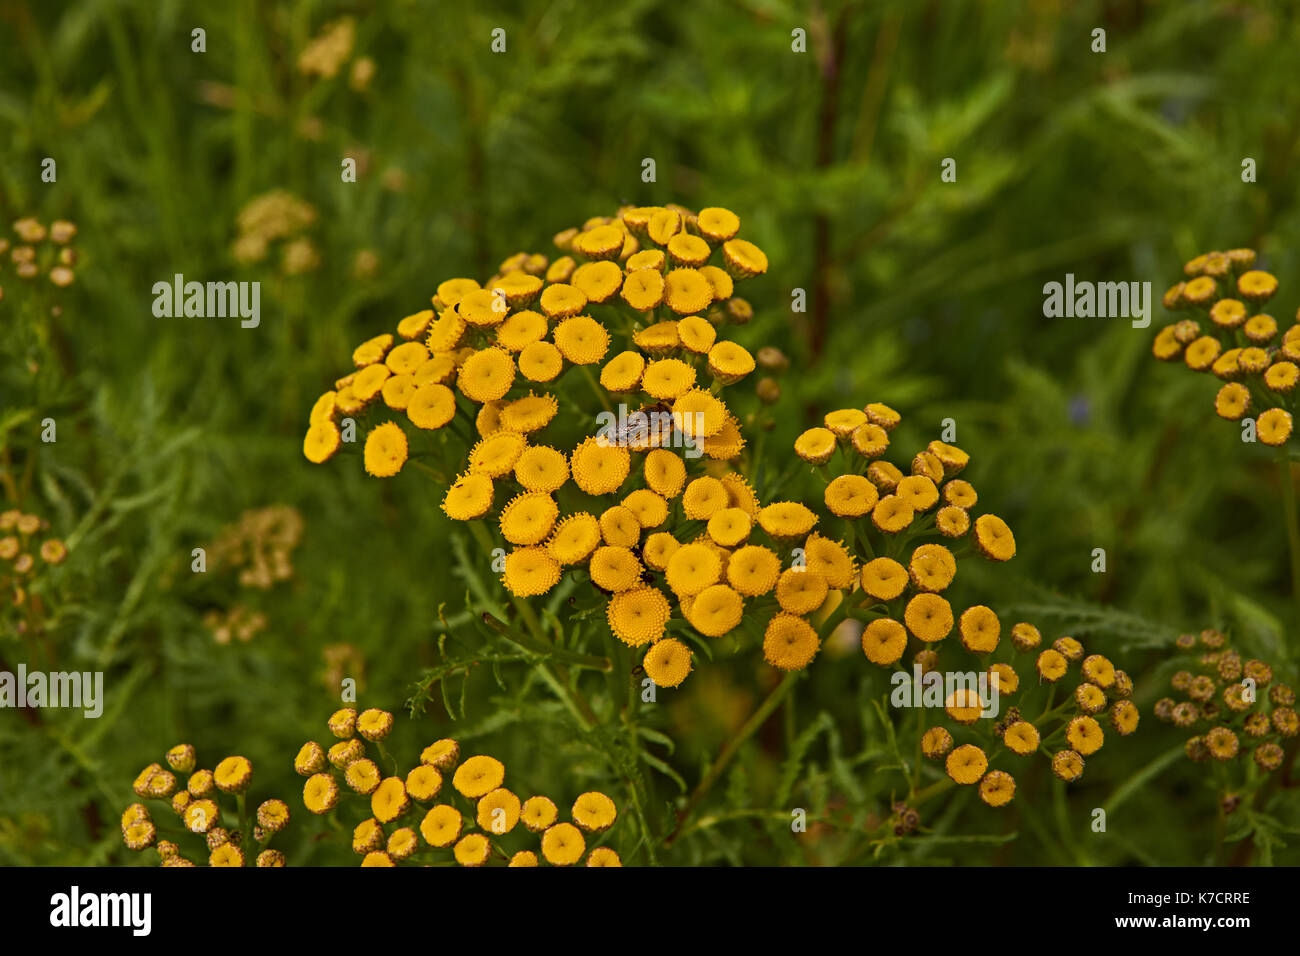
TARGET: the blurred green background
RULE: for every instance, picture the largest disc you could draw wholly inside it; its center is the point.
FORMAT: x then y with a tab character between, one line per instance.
1114	166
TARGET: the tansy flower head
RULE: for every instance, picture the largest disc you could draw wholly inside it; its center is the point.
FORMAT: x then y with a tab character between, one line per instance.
789	642
638	615
667	663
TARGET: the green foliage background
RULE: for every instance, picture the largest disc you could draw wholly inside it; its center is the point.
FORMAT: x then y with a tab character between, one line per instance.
925	295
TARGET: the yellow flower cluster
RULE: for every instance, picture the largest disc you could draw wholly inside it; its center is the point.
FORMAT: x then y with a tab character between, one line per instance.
259	546
40	248
276	216
1230	704
196	809
887	570
1228	337
1064	733
19	554
413	816
637	295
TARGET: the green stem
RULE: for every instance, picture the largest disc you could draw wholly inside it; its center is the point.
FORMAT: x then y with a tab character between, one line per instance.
751	726
1292	530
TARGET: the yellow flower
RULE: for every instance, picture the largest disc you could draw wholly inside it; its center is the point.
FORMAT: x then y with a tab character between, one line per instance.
704	498
530	413
560	301
523	858
402	843
1199	291
226	855
563	844
966	764
1021	738
936	742
638	615
892	514
884	578
582	340
665	472
1084	735
472	849
495	455
619	527
478	776
963	705
362	775
541	468
540	362
951	521
643	289
1004	678
801	590
1228	313
538	813
729	527
415	323
687	291
398	390
594	811
1232	402
717	610
377	859
980	630
850	496
319	794
870	440
441	826
692	568
994	539
743	258
1166	346
1282	377
599	281
599	468
697	334
372	350
1257	286
1260	329
614	569
786	519
729	362
498	811
717	224
530	571
789	642
831	560
524	328
649	509
367	837
386	450
483	308
528	518
883	641
139	835
1051	665
932	567
439	370
667	379
658	549
753	570
816	445
1274	426
884	475
667	663
446	332
423	783
441	754
928	617
273	815
727	443
574	538
431	406
450	292
470	496
1124	717
600	242
657	339
699	414
321	442
1090	698
233	774
623	372
486	375
1201	354
603	856
997	788
918	491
